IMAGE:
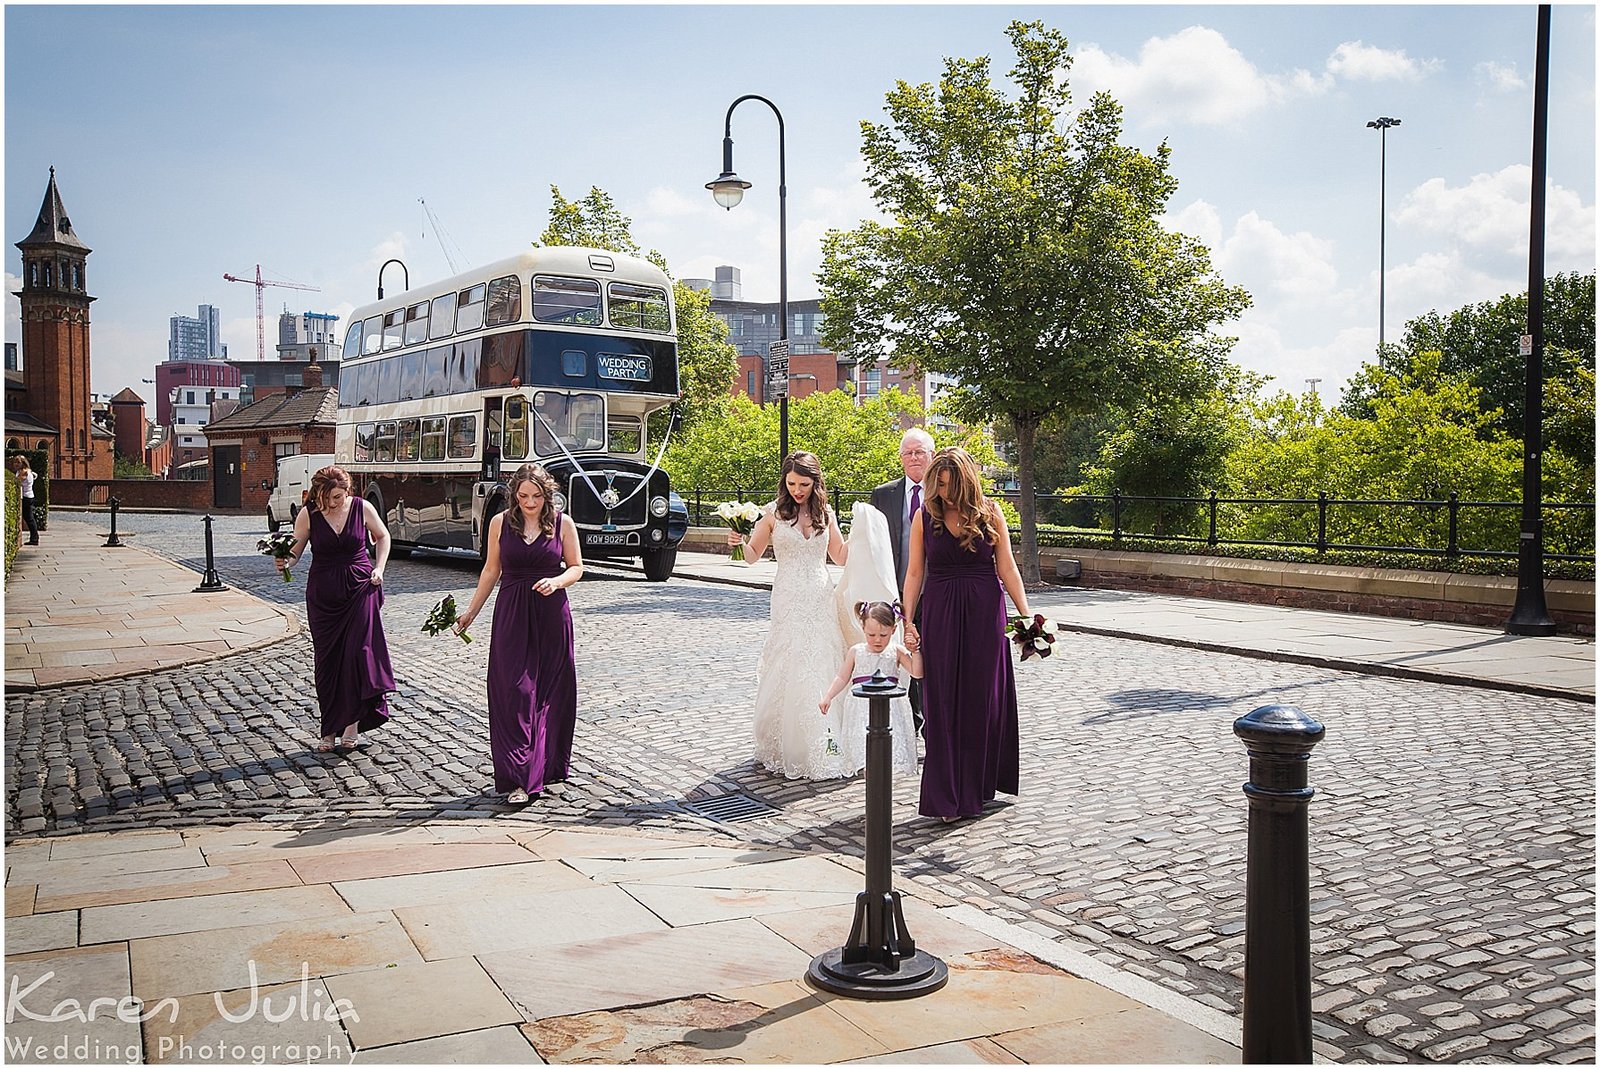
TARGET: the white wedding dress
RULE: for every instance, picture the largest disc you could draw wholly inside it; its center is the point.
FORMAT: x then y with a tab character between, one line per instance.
810	631
803	653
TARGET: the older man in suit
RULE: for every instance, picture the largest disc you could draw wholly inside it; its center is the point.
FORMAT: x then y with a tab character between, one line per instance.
899	501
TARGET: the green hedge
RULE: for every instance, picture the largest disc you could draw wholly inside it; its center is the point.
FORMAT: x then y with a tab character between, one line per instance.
39	461
1062	538
13	522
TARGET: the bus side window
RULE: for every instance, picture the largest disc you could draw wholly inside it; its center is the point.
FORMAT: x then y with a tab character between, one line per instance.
388	381
575	301
412	366
407	447
417	323
352	341
463	436
464	365
442	322
371	335
502	359
469	313
505	301
394	329
383	442
435	373
433	438
363	442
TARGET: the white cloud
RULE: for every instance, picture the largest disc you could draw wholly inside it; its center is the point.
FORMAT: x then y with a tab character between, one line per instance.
1502	77
1263	348
1443	281
1490	214
1359	62
1260	256
1195	75
1200	220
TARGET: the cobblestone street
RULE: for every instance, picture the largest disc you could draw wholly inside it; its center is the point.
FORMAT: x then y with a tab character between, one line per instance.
1452	849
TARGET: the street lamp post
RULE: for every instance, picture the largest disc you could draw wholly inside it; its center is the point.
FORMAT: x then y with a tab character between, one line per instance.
728	189
1529	616
1382	124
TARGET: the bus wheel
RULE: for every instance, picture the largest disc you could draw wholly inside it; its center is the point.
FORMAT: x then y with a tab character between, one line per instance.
658	564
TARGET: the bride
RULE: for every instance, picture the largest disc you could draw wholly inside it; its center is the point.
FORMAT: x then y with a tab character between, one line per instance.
809	634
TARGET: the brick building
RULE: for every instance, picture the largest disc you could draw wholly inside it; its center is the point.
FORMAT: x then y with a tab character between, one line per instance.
245	445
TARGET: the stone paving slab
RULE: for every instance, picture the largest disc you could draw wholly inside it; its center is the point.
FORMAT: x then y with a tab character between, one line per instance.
51	641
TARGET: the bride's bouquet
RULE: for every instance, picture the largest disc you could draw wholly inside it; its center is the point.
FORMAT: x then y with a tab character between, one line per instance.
443	617
741	517
1033	636
280	547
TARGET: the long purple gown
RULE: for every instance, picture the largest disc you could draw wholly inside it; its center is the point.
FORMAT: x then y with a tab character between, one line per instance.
351	657
969	694
533	678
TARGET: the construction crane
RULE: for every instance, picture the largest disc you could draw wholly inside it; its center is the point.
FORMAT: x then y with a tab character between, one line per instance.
261	284
445	240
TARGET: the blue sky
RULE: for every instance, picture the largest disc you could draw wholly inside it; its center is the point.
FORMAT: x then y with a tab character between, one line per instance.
193	141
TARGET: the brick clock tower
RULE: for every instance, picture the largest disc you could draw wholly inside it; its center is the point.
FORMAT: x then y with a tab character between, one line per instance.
55	340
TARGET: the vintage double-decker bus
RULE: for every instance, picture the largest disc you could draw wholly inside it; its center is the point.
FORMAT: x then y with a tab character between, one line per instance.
558	355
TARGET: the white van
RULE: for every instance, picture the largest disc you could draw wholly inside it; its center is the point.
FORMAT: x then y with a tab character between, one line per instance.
289	493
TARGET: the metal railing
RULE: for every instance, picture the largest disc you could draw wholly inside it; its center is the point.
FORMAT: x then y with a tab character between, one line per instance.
1489	528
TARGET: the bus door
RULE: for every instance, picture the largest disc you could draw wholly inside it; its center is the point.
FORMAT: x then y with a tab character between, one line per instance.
492	425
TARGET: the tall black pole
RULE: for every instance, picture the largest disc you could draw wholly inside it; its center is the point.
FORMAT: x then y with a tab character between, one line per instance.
1529	616
783	251
1382	124
1383	224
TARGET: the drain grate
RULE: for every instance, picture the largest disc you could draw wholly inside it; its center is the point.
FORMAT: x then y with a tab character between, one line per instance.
730	808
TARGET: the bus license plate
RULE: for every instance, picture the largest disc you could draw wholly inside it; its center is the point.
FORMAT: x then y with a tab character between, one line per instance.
610	539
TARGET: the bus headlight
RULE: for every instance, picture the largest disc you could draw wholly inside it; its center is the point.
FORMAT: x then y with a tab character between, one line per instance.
559	501
658	507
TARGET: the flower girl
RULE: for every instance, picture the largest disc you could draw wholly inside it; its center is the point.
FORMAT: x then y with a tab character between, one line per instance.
879	652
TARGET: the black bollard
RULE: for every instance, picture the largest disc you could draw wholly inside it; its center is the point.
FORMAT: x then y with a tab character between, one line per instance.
1277	908
114	540
879	960
210	582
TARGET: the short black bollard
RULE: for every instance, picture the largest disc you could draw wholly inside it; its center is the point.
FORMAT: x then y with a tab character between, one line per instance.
114	540
210	582
1277	909
879	960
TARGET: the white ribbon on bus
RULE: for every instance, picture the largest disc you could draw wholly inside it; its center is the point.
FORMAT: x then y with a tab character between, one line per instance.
654	465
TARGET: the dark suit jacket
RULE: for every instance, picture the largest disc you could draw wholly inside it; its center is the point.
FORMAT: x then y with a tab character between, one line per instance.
890	499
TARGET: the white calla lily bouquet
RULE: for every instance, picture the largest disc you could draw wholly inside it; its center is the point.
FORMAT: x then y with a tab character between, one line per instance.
741	517
1034	636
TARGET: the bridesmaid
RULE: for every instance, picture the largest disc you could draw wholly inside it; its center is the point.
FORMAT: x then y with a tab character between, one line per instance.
958	560
533	680
344	591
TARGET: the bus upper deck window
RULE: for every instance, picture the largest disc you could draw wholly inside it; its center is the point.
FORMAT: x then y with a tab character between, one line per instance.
352	341
371	335
394	329
469	313
417	323
442	321
505	301
573	301
639	307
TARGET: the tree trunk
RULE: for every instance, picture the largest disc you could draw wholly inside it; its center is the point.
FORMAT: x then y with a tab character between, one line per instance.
1027	504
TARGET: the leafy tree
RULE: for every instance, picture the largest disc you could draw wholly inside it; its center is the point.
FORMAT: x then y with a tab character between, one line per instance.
857	444
1429	434
707	363
1479	343
128	468
1025	257
1177	447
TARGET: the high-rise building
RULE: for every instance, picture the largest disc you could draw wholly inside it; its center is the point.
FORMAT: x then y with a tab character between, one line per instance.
299	331
198	338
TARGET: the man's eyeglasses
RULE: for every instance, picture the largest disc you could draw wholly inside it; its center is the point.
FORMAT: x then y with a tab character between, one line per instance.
916	453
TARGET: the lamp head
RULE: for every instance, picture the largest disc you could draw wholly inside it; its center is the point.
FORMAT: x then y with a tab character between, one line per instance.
728	189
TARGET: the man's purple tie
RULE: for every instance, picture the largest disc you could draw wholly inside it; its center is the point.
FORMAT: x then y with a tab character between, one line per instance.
916	500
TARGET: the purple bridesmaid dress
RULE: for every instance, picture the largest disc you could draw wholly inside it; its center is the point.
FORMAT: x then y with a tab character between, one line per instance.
969	694
533	679
351	657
